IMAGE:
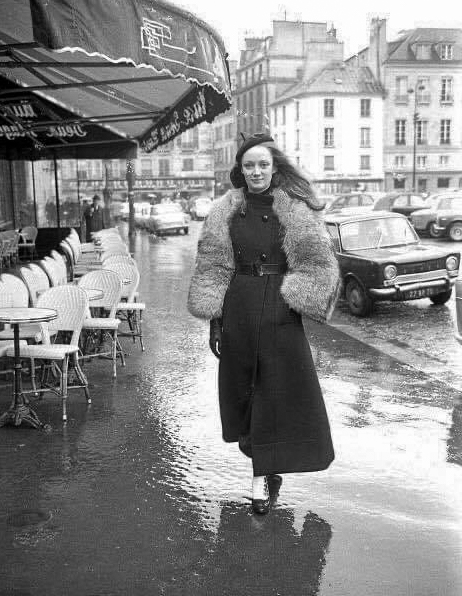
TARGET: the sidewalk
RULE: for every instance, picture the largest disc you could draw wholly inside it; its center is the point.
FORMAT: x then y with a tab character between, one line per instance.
140	496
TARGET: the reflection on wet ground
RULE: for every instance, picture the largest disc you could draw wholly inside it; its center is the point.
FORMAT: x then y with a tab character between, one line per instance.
139	495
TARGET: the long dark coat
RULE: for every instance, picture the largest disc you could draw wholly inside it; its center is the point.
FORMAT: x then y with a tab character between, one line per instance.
268	386
94	220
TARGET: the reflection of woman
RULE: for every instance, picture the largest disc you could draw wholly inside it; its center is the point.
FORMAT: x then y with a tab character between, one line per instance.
269	557
264	259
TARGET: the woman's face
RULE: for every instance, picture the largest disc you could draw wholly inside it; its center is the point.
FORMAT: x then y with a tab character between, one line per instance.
258	168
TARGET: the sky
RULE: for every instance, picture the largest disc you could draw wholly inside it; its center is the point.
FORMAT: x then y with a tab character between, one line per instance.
236	19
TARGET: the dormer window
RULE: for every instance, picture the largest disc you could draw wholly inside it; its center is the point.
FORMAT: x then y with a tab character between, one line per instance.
423	51
446	51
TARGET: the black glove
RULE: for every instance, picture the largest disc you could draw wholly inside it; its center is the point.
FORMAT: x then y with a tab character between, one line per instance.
215	337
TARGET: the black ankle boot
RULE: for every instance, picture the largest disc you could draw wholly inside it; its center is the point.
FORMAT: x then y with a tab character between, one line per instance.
262	506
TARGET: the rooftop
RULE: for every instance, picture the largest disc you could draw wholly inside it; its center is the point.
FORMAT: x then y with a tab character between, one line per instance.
336	78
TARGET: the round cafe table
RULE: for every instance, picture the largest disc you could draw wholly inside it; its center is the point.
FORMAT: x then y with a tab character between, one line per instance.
20	411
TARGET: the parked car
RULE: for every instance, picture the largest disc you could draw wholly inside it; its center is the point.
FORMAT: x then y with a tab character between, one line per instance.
168	217
200	208
354	201
424	220
404	203
381	258
449	221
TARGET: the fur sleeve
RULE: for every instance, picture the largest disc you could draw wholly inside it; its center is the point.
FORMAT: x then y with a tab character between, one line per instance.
214	266
312	285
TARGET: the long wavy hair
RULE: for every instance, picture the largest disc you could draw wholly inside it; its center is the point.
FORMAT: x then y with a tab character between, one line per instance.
287	177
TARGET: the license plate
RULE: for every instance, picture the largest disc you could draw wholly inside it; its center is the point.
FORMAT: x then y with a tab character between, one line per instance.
420	293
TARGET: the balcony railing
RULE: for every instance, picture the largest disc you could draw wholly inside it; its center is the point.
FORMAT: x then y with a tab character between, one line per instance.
401	98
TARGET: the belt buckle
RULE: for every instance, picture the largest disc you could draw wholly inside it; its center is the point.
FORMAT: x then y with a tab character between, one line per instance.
257	269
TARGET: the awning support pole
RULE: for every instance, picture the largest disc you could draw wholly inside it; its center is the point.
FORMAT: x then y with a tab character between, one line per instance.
131	176
58	215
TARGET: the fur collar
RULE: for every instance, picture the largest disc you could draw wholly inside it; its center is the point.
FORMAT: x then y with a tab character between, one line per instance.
311	284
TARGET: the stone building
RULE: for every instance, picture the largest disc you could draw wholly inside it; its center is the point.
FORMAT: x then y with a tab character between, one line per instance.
422	73
269	65
330	125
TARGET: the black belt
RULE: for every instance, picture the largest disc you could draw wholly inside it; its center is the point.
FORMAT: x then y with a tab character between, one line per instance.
259	269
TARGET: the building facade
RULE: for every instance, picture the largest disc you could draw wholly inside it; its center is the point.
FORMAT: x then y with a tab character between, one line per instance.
269	65
330	125
422	74
225	139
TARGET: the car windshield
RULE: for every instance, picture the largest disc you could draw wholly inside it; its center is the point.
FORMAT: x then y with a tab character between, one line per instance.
166	208
377	233
450	202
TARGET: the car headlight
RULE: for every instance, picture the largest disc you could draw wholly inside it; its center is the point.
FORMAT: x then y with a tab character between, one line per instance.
390	272
452	263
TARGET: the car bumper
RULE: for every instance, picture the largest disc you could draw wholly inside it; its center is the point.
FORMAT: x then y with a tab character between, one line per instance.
401	290
438	228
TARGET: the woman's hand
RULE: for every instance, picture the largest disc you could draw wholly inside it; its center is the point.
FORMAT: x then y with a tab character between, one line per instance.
215	337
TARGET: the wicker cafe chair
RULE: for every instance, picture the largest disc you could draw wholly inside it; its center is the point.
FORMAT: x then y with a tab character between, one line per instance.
54	274
61	265
42	278
129	309
14	286
71	303
27	238
96	330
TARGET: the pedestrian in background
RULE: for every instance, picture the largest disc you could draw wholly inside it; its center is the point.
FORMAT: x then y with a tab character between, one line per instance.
94	218
264	259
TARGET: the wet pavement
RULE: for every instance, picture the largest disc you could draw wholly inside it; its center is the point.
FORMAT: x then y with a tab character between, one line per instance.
139	495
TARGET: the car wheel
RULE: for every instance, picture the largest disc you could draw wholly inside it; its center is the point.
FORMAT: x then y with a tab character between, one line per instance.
186	230
441	298
455	231
434	233
360	304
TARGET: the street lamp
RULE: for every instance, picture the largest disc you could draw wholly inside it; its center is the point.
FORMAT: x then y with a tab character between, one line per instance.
415	118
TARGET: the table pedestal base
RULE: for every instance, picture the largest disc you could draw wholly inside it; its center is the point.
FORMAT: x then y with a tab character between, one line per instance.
15	416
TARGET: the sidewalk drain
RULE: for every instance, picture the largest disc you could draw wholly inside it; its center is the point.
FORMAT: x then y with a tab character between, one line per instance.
28	517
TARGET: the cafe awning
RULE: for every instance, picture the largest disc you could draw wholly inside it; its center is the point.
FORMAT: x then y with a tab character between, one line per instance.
143	72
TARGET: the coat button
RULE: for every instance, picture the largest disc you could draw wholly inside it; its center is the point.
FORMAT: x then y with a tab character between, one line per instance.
263	257
264	218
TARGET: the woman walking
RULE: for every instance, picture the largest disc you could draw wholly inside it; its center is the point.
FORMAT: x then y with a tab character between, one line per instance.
264	259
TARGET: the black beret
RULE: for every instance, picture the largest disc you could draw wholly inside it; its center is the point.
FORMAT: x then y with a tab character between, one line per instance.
255	139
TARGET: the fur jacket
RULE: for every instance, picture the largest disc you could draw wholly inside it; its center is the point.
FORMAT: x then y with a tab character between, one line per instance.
312	282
